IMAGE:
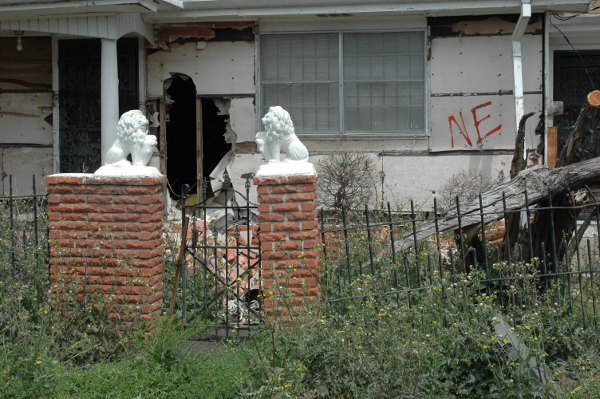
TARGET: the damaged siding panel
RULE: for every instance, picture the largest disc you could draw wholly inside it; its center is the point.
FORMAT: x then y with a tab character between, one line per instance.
472	105
25	111
479	122
23	118
242	116
222	68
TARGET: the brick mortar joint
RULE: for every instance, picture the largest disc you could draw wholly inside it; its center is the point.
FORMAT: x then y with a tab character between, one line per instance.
92	180
284	180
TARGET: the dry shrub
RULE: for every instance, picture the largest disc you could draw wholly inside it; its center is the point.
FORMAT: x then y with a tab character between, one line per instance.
346	179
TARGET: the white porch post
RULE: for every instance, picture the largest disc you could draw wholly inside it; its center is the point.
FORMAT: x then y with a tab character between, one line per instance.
109	94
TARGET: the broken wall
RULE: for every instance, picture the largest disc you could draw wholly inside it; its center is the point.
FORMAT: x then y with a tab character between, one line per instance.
221	69
219	58
25	112
472	103
470	85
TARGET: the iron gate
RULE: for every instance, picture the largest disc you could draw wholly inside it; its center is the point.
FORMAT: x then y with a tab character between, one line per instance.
221	274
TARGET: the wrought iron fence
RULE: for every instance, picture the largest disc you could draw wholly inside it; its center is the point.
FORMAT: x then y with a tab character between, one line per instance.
23	237
221	279
522	258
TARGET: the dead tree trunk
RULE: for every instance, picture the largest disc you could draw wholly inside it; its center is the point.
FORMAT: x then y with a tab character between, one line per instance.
552	229
519	163
472	240
584	132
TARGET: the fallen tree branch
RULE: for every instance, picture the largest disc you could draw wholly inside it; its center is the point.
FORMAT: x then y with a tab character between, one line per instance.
539	182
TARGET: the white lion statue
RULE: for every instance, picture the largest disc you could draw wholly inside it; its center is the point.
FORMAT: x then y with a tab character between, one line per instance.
279	136
132	138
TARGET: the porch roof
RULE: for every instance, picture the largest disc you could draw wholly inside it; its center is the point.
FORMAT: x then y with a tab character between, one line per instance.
109	19
203	10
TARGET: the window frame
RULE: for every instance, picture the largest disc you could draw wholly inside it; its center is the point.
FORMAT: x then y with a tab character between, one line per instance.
343	133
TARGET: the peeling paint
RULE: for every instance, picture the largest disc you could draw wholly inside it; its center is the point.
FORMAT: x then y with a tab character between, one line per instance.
243	118
223	107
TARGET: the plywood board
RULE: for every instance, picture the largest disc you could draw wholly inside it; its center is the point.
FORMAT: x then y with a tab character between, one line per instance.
30	68
483	64
22	118
22	164
552	148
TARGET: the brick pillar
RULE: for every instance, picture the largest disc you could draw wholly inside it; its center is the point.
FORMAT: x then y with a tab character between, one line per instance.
106	238
288	232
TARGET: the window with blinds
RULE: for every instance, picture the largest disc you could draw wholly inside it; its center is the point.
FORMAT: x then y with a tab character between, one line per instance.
349	83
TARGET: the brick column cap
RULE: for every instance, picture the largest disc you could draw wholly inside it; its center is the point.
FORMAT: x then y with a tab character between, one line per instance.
293	179
91	179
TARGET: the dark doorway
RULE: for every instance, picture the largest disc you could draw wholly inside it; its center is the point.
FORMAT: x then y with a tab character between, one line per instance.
79	100
214	128
79	104
181	133
575	75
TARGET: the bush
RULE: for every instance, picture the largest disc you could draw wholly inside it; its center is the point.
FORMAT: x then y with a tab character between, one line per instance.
346	180
466	186
439	341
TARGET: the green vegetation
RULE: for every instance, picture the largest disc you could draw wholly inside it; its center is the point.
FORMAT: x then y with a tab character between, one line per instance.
373	338
62	345
434	343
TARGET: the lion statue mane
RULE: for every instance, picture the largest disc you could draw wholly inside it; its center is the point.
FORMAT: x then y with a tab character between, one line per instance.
279	136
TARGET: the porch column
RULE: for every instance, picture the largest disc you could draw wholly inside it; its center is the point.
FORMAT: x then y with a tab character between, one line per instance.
109	94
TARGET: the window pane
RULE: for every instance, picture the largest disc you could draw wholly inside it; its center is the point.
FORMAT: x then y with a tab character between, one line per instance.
300	72
313	107
385	107
383	73
384	82
298	58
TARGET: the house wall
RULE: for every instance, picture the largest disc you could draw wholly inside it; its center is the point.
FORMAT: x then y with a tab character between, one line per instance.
25	113
470	67
221	69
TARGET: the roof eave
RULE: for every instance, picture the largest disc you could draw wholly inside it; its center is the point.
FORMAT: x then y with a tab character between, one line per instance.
256	9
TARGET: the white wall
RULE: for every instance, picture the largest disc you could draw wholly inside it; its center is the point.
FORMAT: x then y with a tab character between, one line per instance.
219	69
468	72
465	74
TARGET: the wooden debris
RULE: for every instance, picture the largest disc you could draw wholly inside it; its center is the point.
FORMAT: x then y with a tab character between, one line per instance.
577	168
518	353
540	182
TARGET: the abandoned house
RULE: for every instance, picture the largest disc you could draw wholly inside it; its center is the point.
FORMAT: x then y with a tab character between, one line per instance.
427	89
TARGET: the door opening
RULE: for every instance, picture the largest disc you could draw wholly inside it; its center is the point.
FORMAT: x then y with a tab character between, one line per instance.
181	133
215	136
